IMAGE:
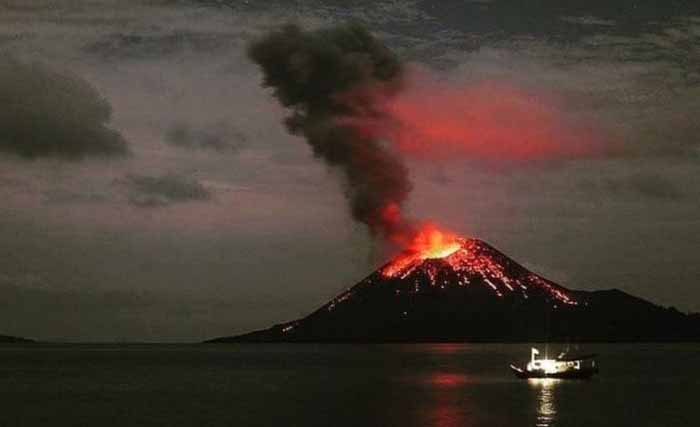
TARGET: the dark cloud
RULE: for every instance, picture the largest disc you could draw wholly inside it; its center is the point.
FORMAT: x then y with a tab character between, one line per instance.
220	137
154	191
63	195
150	46
329	75
46	113
588	20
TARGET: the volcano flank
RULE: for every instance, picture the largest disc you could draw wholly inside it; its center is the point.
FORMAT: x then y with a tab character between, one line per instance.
469	291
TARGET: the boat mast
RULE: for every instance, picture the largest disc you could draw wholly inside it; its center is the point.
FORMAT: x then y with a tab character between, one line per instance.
533	352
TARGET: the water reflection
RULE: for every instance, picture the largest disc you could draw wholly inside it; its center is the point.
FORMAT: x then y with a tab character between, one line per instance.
445	348
546	405
446	415
446	379
448	401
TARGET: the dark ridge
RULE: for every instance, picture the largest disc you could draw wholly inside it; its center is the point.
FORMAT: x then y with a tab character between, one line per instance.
478	294
6	339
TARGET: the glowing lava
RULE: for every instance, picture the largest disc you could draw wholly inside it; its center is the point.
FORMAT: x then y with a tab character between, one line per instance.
443	259
429	242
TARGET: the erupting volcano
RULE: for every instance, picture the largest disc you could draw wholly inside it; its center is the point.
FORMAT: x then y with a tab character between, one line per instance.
444	287
349	97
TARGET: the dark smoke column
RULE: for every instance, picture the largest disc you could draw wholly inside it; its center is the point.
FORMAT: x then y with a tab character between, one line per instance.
327	78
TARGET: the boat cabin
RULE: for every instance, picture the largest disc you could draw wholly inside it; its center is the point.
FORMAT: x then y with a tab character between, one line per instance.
564	366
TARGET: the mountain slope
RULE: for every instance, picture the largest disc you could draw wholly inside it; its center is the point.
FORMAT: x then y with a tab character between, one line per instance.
470	291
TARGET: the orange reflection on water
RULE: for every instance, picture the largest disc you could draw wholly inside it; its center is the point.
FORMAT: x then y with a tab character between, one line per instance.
444	379
448	406
447	415
446	348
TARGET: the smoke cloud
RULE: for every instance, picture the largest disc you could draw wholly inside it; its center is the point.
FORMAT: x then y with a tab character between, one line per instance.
350	96
327	77
48	114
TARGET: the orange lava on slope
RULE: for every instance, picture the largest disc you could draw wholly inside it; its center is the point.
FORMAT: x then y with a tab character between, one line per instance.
467	259
428	242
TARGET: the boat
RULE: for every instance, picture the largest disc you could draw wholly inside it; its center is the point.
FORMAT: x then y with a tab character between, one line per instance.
564	366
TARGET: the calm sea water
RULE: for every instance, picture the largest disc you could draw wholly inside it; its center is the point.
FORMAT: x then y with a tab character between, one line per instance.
339	385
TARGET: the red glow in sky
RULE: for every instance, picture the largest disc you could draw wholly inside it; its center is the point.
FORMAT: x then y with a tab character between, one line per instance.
479	120
485	121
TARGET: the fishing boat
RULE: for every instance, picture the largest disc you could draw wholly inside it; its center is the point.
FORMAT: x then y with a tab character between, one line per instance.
564	366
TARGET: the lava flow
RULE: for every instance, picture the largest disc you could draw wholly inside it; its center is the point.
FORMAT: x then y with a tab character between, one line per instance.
442	258
429	242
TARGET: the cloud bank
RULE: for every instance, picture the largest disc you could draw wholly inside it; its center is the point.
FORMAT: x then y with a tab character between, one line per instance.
220	138
155	191
46	113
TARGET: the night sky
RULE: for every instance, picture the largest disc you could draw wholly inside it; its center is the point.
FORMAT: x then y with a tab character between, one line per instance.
150	191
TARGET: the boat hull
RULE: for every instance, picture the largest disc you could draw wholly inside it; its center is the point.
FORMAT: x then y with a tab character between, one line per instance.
580	374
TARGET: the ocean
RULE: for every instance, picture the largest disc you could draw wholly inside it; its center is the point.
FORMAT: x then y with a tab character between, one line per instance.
350	385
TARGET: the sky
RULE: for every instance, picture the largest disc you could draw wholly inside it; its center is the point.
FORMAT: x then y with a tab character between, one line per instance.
150	191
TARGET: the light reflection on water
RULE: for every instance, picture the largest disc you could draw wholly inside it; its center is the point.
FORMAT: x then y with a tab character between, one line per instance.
450	403
448	406
447	415
446	379
546	403
459	387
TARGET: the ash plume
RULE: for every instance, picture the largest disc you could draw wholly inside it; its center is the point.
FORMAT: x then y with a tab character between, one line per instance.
326	78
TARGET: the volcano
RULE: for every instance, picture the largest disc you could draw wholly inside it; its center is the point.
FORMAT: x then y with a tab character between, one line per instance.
457	289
